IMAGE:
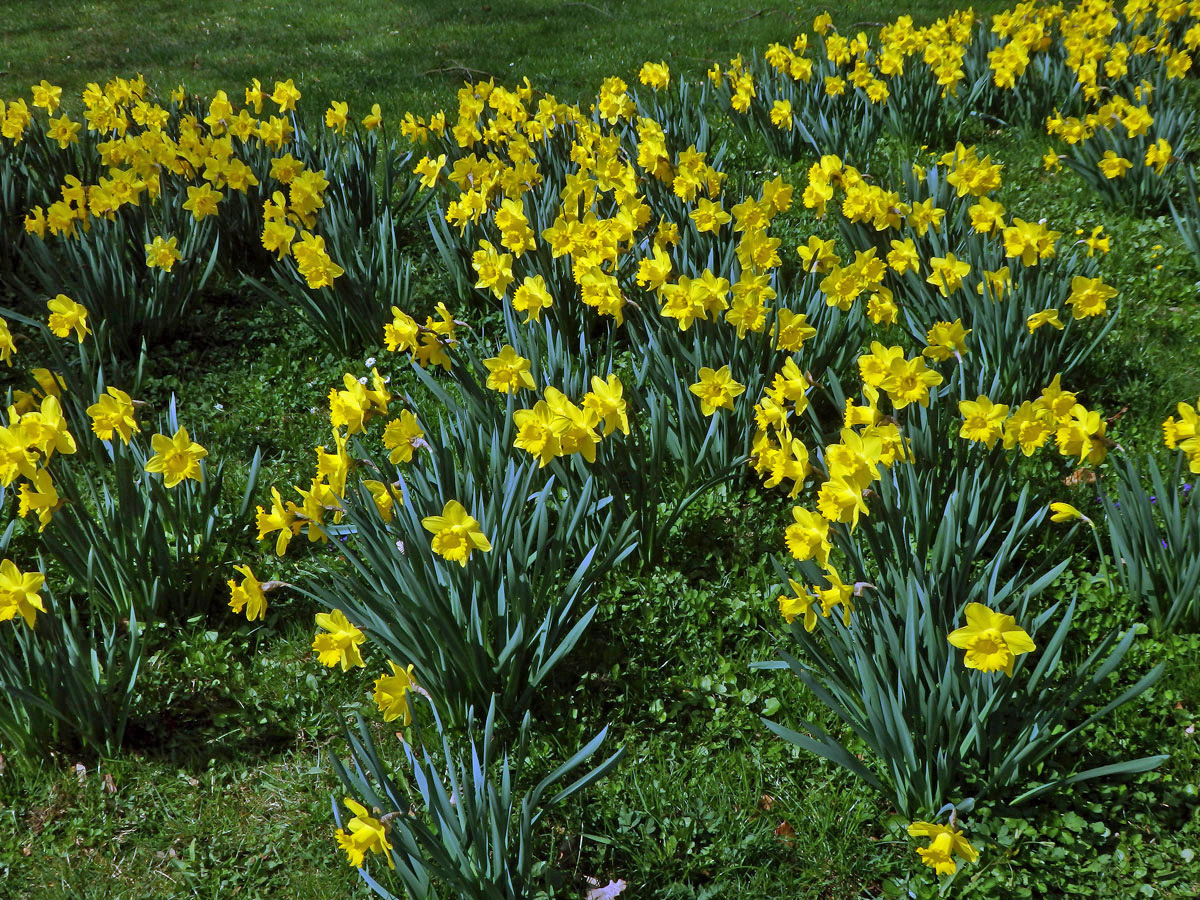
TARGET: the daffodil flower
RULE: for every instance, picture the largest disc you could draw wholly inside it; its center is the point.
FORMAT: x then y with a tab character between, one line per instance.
992	640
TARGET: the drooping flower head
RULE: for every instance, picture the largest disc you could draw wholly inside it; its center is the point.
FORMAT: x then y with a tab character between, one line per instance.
391	694
339	643
947	842
66	316
363	834
248	595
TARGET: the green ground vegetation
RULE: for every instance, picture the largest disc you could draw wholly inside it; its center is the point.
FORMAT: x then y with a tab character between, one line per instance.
224	789
404	55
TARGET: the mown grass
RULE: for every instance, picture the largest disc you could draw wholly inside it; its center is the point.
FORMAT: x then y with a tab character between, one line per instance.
225	788
222	787
403	55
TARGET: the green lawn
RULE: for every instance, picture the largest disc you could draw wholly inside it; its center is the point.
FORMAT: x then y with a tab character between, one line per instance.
406	56
224	790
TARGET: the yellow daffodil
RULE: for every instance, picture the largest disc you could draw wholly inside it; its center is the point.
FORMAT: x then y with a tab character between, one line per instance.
983	420
531	297
248	595
947	273
655	75
1089	297
7	347
40	497
162	253
374	118
508	372
47	96
1065	512
67	315
800	603
909	381
363	834
539	431
456	534
202	201
19	593
337	116
716	389
176	457
606	401
285	95
281	518
1114	166
112	413
808	537
1044	317
391	694
946	339
992	640
402	437
946	842
338	643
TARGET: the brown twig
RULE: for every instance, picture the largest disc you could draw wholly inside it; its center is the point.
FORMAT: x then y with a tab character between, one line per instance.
458	67
753	15
603	12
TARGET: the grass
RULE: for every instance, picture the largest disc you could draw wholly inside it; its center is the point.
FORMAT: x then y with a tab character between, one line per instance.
403	55
225	787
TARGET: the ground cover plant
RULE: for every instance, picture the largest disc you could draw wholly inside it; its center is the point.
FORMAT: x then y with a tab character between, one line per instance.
684	477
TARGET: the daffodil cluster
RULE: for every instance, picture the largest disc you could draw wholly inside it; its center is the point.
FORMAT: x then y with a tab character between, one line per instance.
555	426
351	409
636	292
1079	433
1090	69
204	159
